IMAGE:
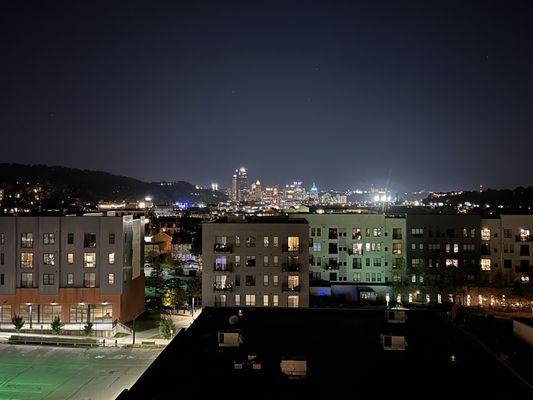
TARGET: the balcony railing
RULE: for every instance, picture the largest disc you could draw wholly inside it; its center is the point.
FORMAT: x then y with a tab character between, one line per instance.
223	287
524	238
223	248
290	249
290	267
290	288
223	267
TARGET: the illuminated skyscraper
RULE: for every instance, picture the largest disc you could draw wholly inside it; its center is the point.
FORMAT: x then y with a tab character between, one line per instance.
313	192
257	194
239	185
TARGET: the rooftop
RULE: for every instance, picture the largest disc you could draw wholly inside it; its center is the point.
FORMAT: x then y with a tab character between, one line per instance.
343	353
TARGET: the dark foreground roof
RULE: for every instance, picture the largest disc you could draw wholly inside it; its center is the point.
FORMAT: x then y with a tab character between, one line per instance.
344	355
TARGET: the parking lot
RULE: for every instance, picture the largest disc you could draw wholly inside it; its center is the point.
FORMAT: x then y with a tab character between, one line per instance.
45	372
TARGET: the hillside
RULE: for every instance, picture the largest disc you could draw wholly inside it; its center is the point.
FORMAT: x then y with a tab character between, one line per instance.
94	186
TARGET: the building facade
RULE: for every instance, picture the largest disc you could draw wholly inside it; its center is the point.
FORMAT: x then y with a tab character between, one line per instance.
261	262
365	253
443	253
79	268
507	250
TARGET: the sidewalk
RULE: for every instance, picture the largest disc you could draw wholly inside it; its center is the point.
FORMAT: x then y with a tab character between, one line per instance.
181	321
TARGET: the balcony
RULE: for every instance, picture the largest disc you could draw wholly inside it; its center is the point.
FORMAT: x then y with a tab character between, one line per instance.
223	248
223	267
290	267
290	288
223	287
524	238
333	264
290	249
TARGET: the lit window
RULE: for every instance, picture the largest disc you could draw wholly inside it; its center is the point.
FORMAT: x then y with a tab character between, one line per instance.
111	279
293	243
316	246
70	279
89	260
265	280
397	248
265	300
49	238
70	258
275	280
49	259
26	240
111	258
293	301
250	299
452	262
237	299
357	249
485	264
275	241
26	260
456	248
275	300
265	241
485	234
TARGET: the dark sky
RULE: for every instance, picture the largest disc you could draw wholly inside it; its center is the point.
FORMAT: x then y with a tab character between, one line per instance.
423	94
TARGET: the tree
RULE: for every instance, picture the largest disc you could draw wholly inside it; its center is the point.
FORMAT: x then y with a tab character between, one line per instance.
174	298
166	327
18	322
88	328
194	288
57	326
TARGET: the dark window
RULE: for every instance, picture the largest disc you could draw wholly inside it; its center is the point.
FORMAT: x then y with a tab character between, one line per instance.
507	263
237	280
332	276
48	279
524	250
2	258
1	279
111	238
70	238
332	248
332	233
250	280
89	240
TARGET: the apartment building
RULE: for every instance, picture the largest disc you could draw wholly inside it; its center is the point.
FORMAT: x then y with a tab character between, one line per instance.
255	262
443	247
80	268
359	255
507	250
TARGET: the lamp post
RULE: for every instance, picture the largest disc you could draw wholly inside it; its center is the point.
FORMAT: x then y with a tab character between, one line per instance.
133	328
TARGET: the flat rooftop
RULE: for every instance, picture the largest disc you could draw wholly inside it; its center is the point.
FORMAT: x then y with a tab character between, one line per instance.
259	220
343	353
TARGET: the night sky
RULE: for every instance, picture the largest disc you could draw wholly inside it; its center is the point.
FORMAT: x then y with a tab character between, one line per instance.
421	94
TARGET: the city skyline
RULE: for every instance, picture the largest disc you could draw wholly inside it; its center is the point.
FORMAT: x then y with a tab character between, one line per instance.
343	94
